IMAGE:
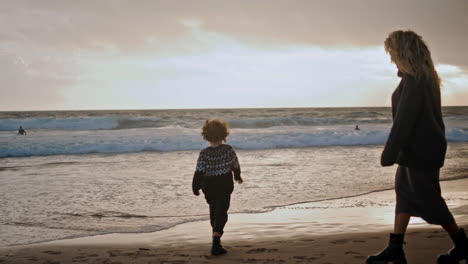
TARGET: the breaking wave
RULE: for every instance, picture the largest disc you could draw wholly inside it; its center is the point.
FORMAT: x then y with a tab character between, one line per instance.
96	123
178	138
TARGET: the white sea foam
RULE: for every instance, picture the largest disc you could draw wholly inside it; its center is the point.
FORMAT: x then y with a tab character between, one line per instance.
178	138
86	123
124	122
303	121
127	131
457	134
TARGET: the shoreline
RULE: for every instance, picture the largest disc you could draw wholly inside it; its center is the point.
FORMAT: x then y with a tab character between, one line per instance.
311	177
341	230
305	205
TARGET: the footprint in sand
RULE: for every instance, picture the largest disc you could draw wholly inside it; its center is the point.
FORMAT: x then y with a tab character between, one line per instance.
309	258
433	236
273	261
52	252
359	257
300	257
341	241
259	250
80	259
118	253
51	262
115	262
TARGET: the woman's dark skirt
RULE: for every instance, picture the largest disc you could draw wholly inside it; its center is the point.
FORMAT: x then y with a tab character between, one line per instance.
418	194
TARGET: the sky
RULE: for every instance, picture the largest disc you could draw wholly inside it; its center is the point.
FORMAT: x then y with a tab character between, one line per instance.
115	54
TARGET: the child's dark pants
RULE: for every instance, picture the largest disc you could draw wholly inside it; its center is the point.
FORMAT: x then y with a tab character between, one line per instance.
218	212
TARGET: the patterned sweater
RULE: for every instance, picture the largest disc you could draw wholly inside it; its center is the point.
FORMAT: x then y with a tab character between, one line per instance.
214	171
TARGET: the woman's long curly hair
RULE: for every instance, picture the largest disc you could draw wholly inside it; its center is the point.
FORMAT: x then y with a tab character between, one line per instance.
412	56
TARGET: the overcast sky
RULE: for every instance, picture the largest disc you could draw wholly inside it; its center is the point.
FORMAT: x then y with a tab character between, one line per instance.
219	54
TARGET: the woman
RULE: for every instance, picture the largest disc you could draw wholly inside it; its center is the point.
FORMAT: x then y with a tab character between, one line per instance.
417	144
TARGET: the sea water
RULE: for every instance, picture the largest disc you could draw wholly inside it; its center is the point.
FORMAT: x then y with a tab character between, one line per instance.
80	173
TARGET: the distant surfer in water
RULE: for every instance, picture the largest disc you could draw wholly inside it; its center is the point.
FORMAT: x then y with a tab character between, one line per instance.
357	128
21	131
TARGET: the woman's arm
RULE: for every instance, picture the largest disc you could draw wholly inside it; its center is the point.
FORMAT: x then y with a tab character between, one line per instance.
407	113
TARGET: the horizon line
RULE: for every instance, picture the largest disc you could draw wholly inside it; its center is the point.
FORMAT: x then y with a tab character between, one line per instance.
208	108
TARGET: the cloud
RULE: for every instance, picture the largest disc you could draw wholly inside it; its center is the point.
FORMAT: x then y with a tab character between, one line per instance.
454	85
71	25
232	74
45	45
27	86
128	24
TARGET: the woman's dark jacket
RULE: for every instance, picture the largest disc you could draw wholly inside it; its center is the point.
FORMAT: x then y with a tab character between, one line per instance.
417	138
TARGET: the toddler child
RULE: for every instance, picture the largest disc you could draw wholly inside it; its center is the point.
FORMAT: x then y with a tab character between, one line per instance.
216	166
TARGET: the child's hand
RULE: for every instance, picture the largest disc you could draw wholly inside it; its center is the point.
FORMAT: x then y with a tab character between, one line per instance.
240	181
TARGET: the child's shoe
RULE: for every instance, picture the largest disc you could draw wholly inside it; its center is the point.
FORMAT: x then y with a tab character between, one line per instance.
217	248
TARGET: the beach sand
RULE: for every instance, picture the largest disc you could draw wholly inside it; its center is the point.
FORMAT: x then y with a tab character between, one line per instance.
335	231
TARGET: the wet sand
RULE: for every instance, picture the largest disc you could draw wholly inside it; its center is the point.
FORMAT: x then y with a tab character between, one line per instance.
335	231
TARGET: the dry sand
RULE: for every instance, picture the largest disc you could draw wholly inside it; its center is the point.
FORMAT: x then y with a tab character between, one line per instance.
334	232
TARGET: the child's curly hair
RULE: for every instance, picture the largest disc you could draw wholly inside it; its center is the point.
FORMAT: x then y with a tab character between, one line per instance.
215	130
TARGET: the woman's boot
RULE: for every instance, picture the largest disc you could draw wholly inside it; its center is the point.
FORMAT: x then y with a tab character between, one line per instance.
393	253
217	248
458	252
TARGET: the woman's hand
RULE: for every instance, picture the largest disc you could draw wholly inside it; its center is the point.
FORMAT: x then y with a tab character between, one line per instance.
387	159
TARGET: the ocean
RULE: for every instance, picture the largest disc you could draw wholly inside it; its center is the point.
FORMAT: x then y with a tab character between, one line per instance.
82	173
